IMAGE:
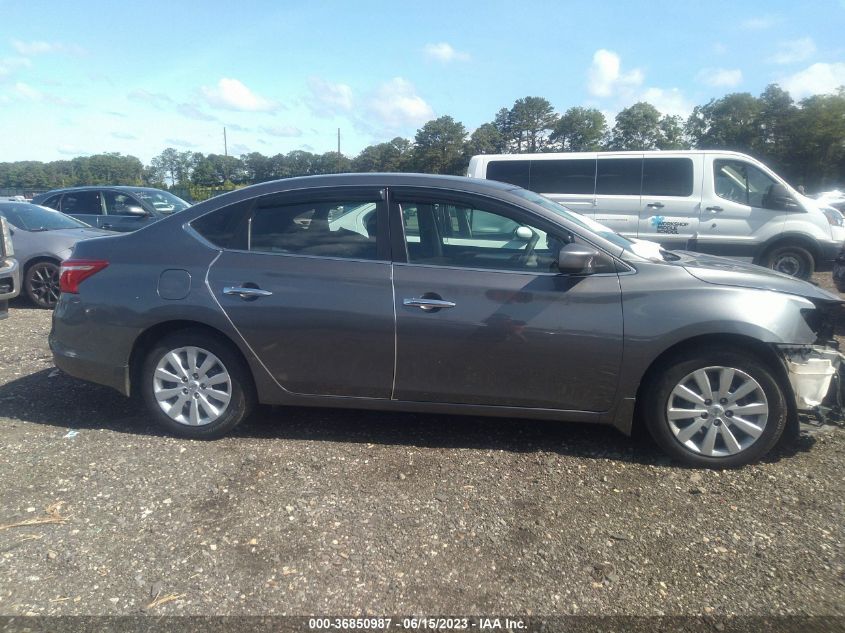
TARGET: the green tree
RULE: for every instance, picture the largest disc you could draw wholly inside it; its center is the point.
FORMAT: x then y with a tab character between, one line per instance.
384	157
727	123
486	139
637	128
818	147
173	166
671	129
438	147
532	119
580	130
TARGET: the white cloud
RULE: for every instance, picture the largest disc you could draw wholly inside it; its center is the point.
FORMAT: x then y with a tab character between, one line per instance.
231	94
794	51
284	131
396	105
327	99
669	101
158	99
40	47
180	142
818	78
760	23
126	136
605	76
10	64
444	52
27	92
190	111
720	76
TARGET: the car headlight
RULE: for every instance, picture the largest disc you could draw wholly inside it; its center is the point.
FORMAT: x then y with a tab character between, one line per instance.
6	248
834	217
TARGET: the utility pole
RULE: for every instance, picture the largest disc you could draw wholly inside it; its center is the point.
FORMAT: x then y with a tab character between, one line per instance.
225	144
338	150
225	156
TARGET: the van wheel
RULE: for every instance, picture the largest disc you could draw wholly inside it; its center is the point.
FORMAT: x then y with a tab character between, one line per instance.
791	260
718	409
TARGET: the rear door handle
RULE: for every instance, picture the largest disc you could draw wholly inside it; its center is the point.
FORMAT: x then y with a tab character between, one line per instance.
714	209
427	304
655	205
246	293
106	226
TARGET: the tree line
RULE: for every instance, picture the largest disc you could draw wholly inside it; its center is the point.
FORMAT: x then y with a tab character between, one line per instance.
802	141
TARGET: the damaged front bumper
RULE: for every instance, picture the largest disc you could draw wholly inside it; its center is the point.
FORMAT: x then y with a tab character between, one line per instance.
817	376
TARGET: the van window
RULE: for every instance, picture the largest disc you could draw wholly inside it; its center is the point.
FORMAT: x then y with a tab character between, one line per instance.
740	182
513	171
563	176
619	176
667	177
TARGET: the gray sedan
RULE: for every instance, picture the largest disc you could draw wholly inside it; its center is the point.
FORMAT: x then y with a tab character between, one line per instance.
42	238
444	295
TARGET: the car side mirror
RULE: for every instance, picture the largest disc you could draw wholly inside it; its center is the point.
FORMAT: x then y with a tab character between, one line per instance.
523	233
779	198
134	209
577	259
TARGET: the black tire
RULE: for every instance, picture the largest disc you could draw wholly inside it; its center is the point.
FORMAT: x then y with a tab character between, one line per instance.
41	284
242	393
660	390
792	260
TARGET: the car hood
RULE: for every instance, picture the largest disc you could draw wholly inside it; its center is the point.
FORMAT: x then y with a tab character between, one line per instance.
728	272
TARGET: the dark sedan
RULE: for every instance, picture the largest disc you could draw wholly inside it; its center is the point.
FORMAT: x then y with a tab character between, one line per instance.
116	208
440	294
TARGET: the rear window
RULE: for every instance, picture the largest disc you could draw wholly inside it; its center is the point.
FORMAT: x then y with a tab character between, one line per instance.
563	176
515	172
667	177
619	176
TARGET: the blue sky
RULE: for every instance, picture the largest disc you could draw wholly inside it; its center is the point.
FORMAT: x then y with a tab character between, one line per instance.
88	76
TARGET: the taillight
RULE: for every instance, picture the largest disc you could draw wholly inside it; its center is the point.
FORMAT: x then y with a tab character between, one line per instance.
75	271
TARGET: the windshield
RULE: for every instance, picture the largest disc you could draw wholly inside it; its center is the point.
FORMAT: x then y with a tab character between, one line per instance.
591	225
162	201
31	217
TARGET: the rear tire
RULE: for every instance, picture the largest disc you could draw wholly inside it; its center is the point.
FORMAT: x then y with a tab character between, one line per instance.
730	425
195	385
791	260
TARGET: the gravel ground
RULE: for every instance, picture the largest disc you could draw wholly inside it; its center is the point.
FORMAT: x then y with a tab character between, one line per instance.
315	511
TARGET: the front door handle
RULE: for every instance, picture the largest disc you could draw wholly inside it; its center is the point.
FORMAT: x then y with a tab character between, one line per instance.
427	304
246	293
655	205
106	226
714	209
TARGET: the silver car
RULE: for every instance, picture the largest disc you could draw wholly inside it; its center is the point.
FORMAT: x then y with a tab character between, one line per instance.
445	295
42	238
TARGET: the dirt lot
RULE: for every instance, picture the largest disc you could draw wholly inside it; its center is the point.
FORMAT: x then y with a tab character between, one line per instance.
313	511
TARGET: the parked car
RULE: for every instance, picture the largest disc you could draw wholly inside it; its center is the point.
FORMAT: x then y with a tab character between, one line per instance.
42	238
723	203
113	208
10	279
443	295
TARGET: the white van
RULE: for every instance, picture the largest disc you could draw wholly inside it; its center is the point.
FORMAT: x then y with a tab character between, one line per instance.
724	203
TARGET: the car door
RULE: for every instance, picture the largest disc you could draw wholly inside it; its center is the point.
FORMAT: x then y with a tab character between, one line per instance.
124	213
482	316
618	183
671	199
738	214
84	204
311	296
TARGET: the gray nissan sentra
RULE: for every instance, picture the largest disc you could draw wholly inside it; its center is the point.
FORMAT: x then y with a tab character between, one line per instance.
444	295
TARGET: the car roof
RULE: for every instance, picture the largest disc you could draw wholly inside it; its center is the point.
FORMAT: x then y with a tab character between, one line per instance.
96	187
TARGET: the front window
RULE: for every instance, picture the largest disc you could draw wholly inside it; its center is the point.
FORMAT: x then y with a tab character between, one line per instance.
160	201
743	183
82	203
31	217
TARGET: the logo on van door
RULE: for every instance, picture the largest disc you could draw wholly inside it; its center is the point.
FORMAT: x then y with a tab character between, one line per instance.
669	227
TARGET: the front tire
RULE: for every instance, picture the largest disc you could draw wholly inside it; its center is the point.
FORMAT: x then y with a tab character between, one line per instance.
718	409
41	283
196	385
791	260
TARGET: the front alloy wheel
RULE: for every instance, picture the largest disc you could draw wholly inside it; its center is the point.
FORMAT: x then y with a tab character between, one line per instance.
42	284
716	408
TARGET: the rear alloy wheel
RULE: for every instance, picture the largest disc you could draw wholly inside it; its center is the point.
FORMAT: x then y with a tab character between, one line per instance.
41	284
196	386
721	409
791	260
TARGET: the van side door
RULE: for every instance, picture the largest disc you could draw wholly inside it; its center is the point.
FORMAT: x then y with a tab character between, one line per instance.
571	181
618	182
671	198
